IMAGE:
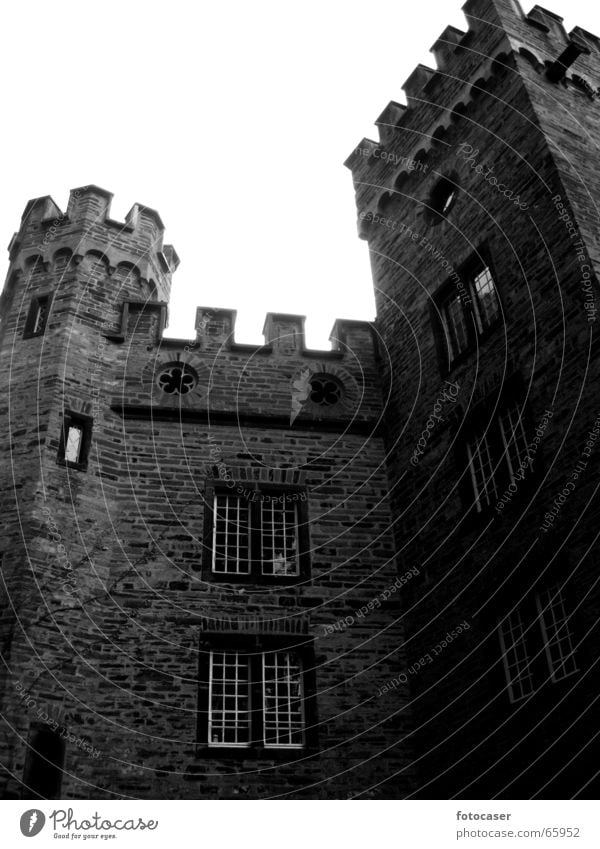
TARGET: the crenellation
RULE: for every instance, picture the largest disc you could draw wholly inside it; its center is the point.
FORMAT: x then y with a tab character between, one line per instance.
415	83
284	332
445	47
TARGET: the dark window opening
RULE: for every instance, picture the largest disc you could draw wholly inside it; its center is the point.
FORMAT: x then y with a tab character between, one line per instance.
37	316
44	763
442	199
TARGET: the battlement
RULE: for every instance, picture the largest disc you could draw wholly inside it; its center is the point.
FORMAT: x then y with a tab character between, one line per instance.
264	385
86	227
283	334
498	32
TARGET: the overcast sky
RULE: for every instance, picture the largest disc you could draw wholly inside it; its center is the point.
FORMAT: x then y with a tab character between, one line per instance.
232	120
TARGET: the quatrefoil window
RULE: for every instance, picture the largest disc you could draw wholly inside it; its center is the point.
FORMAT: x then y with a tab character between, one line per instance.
177	379
325	390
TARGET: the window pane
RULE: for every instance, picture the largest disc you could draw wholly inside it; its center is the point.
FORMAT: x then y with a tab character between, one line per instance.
282	700
73	443
455	327
229	700
517	662
279	538
514	440
41	311
557	636
485	297
481	466
231	535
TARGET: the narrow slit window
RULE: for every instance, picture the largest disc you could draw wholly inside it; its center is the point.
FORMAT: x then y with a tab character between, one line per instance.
75	440
37	316
74	443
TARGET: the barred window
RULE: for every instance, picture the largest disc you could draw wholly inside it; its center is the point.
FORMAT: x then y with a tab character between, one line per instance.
282	699
497	454
517	660
256	694
537	644
279	542
231	535
259	535
557	636
229	716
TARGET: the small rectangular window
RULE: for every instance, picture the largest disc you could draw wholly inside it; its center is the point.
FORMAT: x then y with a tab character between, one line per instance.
74	446
37	316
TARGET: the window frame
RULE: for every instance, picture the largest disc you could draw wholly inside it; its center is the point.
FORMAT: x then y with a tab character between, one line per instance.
86	424
477	330
485	422
536	642
34	306
254	494
256	646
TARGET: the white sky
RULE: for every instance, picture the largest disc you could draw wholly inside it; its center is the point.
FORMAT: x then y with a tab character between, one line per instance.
232	120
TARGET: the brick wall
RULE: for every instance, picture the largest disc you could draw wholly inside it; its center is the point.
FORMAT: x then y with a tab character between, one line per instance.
491	102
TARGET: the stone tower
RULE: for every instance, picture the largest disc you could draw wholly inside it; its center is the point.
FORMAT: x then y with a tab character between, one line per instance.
478	203
199	592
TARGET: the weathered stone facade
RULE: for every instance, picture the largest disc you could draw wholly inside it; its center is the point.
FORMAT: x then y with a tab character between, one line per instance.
505	137
412	572
109	606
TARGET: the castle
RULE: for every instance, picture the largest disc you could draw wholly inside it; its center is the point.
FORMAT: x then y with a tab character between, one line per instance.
263	571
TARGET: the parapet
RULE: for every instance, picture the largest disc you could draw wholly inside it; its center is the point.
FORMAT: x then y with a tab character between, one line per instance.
86	226
497	31
283	334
